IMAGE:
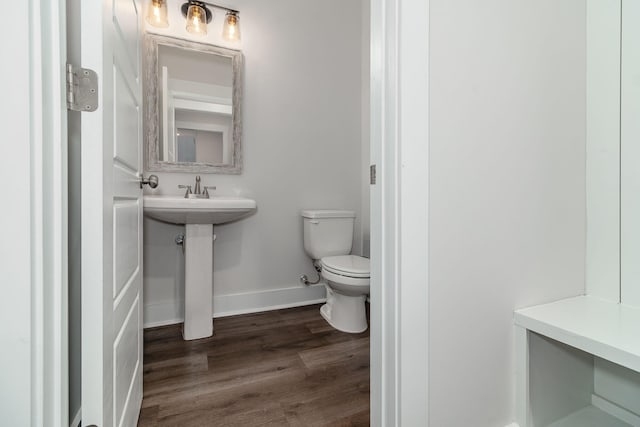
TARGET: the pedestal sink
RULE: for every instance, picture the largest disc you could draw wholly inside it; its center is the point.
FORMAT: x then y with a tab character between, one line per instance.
198	216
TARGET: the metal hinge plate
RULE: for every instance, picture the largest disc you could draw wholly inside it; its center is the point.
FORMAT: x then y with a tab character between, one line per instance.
372	174
82	89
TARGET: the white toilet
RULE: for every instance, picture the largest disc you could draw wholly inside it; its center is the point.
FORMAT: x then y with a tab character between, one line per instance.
328	235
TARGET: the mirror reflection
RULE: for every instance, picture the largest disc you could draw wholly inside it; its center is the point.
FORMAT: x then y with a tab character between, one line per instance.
193	113
196	99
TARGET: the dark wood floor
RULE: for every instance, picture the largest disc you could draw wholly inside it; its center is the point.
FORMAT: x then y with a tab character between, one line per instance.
279	368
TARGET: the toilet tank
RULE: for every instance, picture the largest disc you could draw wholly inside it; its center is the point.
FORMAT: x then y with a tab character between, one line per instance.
328	232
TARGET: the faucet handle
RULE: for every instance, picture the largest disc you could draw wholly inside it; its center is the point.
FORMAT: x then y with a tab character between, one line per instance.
206	190
188	187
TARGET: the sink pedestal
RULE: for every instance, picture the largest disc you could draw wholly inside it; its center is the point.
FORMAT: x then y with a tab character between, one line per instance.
198	281
198	215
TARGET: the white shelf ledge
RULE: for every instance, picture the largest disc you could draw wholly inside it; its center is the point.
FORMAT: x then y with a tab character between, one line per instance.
590	417
605	329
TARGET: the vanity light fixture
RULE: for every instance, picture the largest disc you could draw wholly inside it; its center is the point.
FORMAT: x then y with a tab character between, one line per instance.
157	14
198	15
231	27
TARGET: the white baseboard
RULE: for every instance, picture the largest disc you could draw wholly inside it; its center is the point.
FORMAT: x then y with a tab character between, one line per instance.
163	313
172	312
75	422
615	410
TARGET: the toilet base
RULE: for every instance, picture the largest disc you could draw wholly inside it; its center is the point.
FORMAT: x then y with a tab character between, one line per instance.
345	313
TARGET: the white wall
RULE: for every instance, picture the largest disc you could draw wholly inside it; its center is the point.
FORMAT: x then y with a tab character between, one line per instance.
507	219
302	140
603	149
630	150
19	390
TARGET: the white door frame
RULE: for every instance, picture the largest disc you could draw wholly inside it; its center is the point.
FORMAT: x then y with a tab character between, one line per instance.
34	372
399	225
399	212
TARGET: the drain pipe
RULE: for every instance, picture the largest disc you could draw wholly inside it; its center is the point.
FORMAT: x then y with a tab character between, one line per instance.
180	240
305	280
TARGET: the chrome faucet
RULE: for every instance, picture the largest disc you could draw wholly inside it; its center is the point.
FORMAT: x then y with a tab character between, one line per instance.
197	193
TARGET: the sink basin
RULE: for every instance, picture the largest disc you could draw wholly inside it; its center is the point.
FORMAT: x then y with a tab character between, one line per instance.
215	210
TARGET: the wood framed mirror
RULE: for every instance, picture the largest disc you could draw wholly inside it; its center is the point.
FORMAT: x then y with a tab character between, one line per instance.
193	106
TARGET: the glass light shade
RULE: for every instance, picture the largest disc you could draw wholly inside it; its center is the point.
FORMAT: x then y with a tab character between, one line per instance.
196	20
231	27
157	14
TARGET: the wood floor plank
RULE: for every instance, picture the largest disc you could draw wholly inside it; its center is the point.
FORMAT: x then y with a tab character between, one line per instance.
334	353
359	419
327	410
318	326
280	368
163	369
339	380
232	405
221	379
149	416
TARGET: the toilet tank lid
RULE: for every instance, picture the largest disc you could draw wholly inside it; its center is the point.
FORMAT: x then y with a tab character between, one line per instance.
327	213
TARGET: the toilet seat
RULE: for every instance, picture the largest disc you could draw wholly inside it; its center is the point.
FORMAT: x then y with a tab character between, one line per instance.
347	284
351	266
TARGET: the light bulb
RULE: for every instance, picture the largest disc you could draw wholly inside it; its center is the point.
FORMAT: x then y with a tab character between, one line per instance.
197	20
231	27
157	14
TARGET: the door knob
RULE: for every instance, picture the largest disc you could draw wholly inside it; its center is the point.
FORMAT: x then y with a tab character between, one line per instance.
152	181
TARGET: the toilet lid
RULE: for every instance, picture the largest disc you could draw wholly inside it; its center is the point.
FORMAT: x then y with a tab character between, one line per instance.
347	265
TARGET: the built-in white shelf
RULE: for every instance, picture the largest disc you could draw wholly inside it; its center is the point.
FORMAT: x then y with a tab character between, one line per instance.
590	417
558	377
605	329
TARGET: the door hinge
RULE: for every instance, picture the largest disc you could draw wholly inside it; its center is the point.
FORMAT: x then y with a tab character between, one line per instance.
372	174
82	89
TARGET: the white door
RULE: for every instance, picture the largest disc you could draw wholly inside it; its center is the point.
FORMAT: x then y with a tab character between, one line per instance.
112	216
